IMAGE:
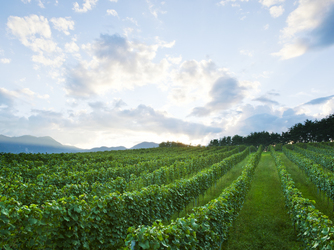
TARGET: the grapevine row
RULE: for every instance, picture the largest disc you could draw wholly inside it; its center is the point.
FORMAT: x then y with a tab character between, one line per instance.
45	188
100	221
326	161
206	228
322	179
315	229
329	152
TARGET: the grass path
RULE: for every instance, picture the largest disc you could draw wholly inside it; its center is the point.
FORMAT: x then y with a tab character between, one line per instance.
308	189
263	222
215	190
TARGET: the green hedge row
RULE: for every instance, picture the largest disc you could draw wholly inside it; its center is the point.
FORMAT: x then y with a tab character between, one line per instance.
324	180
100	222
206	228
78	183
324	160
315	229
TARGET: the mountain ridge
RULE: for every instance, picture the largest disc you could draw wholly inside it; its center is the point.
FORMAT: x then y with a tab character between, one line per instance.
46	144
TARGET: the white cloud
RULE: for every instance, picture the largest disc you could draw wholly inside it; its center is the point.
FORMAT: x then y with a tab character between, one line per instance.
29	26
113	1
225	93
108	119
174	60
11	97
265	27
63	24
193	80
291	50
276	11
309	27
246	53
269	3
72	47
26	1
132	20
34	32
55	61
307	16
5	60
40	4
127	31
87	5
224	2
116	63
112	12
154	11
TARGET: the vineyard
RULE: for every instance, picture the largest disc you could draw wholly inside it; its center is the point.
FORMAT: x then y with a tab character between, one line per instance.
169	198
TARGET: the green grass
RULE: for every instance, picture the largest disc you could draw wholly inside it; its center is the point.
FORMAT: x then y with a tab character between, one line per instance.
263	222
213	192
308	189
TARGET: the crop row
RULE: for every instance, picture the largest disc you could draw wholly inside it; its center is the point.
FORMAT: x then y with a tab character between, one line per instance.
315	229
324	180
53	187
206	228
28	171
325	150
100	222
324	160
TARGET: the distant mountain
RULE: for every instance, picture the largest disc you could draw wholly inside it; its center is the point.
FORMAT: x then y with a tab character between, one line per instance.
145	145
32	144
106	149
46	144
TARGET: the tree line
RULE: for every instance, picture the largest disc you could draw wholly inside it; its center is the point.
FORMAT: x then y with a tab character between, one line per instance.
309	131
170	144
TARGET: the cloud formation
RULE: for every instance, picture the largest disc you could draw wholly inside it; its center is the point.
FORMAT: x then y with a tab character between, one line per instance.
34	32
266	100
6	98
276	11
309	27
117	63
225	92
63	24
87	5
112	12
5	60
320	100
154	10
269	3
101	119
224	2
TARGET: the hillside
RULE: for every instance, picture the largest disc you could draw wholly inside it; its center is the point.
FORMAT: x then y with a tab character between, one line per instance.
46	144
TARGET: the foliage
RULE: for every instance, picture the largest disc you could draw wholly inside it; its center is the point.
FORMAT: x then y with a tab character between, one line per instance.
206	228
324	180
310	131
36	215
315	229
170	144
320	158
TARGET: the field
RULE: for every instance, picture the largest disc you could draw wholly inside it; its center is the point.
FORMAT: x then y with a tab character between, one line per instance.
225	197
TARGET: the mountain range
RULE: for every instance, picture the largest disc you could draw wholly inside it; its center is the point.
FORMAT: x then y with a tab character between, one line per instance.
46	144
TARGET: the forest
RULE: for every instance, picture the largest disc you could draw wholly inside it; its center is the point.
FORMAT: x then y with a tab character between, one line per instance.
309	131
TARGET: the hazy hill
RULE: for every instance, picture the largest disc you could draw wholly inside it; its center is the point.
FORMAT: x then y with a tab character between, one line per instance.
46	144
106	149
32	144
145	145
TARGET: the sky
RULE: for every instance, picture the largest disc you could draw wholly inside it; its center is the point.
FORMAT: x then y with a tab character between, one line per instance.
93	73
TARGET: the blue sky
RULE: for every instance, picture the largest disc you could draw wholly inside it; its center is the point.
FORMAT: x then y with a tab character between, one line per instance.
118	72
